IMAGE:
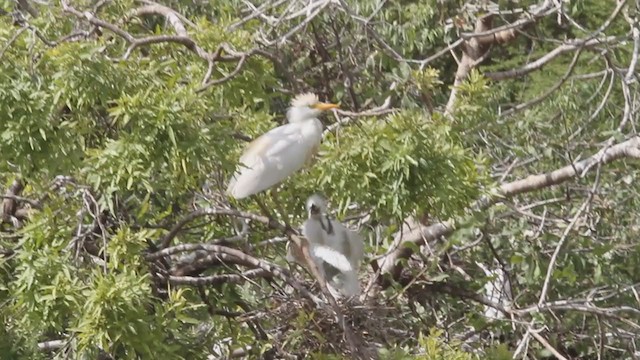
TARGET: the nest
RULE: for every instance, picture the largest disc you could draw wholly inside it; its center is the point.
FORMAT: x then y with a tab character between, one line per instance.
304	327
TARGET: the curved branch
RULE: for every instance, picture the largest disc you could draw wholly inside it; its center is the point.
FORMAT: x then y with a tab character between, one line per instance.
171	16
231	75
166	240
181	38
536	65
549	91
273	269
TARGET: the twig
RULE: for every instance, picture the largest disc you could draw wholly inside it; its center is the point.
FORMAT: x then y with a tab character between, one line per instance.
223	79
12	39
218	279
554	257
549	91
546	345
166	240
535	65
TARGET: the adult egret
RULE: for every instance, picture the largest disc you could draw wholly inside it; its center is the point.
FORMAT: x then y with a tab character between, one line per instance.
339	265
282	151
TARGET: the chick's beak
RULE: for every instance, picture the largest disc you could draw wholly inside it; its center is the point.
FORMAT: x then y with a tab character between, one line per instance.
314	210
325	106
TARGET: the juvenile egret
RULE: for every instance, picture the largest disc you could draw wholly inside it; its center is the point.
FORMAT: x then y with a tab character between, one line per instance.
282	151
340	265
320	254
497	290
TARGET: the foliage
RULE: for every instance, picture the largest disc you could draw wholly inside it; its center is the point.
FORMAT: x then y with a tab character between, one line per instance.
115	145
408	159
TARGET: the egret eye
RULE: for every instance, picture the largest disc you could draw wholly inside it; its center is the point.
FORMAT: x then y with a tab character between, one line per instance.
314	209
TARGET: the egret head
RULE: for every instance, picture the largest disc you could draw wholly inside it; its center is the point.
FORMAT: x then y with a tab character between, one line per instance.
316	205
306	107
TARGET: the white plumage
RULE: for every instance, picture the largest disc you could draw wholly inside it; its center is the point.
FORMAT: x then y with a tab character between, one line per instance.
497	289
320	253
340	265
282	151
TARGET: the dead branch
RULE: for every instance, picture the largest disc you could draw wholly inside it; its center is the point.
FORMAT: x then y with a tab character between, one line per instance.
569	46
476	46
171	16
219	279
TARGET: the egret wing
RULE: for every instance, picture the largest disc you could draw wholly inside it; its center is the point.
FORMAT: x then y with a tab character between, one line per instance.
347	242
270	159
331	257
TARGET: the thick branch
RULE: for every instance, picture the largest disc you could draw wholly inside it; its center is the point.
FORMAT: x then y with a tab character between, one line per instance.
273	269
534	14
473	50
419	234
219	279
168	13
476	45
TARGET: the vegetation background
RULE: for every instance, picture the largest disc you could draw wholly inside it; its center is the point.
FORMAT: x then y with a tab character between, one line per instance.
487	152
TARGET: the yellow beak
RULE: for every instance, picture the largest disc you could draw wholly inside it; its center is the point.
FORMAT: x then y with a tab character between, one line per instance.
324	106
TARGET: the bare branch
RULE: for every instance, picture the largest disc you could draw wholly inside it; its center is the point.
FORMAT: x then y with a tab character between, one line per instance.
219	279
549	91
166	240
419	234
228	77
546	345
536	65
168	13
181	38
535	13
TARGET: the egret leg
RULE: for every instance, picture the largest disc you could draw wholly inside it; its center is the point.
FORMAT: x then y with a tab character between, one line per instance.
262	207
264	210
276	201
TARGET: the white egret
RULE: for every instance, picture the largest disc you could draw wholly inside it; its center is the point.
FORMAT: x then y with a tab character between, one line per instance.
340	262
282	151
497	290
